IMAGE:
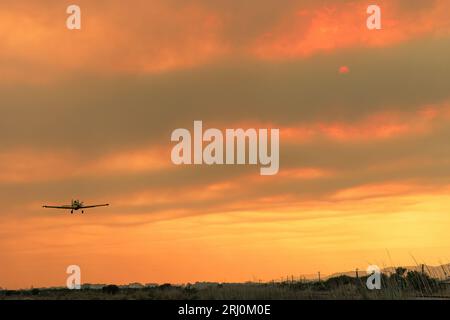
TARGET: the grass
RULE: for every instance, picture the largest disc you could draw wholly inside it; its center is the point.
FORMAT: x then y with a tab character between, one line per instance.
400	285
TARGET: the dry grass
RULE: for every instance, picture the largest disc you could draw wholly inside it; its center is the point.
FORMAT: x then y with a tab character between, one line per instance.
410	286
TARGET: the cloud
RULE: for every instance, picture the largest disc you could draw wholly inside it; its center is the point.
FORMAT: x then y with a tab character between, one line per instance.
331	26
97	113
147	37
154	37
17	167
374	127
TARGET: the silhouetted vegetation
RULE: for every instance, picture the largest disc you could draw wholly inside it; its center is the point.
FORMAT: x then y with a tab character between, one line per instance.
111	289
34	292
401	284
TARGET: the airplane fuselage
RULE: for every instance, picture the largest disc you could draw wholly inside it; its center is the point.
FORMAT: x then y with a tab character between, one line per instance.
76	204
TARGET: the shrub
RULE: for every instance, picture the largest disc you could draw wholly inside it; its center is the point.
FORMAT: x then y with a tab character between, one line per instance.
110	289
34	292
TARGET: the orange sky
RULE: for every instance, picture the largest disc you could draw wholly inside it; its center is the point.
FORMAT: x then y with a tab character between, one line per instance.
87	114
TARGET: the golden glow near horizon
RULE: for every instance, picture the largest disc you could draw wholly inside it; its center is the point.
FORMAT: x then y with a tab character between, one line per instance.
364	128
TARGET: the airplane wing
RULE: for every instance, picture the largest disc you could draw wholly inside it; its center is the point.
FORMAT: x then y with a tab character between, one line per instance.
58	207
95	205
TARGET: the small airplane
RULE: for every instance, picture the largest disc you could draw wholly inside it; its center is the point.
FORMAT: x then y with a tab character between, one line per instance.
76	205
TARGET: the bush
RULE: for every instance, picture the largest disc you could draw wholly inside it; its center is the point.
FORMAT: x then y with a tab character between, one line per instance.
34	292
111	289
165	286
342	280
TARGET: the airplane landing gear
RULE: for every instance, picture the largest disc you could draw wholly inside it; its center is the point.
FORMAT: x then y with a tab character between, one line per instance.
82	211
71	211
